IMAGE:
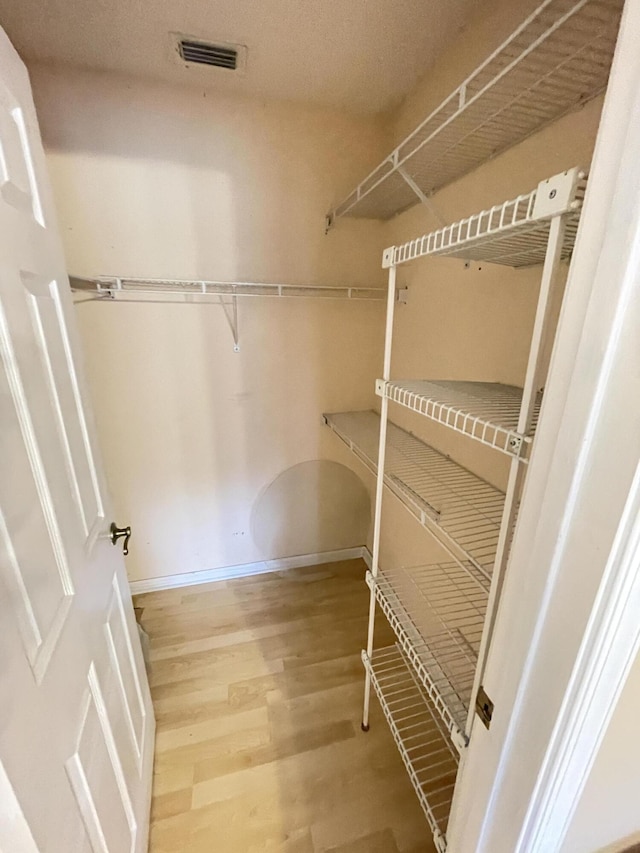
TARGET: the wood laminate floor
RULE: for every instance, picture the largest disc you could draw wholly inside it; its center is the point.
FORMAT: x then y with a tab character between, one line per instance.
257	688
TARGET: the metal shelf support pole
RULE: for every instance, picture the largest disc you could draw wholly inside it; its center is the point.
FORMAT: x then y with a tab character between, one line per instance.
518	469
377	519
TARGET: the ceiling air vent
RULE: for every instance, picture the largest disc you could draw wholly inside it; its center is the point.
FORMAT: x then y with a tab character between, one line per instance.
229	56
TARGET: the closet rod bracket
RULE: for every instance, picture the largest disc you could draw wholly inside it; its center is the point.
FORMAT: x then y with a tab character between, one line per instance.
231	314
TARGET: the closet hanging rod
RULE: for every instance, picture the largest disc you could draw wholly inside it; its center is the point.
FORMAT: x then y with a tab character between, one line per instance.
108	288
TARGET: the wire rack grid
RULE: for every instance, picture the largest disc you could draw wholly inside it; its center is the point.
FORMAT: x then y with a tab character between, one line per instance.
462	511
437	613
485	411
510	234
430	759
557	59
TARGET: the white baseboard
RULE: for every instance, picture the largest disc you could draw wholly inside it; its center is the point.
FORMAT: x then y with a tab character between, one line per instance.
366	556
247	569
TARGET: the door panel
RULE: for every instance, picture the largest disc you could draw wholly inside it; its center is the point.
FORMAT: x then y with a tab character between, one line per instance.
127	676
97	779
43	297
39	576
76	723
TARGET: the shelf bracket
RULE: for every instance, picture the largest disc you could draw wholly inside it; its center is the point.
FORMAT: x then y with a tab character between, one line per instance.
423	198
231	314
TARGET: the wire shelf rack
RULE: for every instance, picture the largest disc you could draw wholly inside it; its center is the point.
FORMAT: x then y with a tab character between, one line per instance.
437	613
515	233
462	511
485	411
112	288
428	755
557	59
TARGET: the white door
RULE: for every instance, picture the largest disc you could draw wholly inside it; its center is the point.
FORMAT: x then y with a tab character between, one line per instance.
76	722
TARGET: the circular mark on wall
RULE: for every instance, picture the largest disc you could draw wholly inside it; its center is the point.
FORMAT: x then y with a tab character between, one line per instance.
311	507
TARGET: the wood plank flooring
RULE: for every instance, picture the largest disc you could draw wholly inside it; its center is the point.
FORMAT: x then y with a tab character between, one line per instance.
257	688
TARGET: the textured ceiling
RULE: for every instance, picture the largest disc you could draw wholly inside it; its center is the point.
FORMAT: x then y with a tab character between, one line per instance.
362	55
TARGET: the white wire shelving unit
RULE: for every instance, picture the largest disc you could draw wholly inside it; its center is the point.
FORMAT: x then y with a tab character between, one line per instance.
485	411
514	233
461	510
443	614
556	60
437	613
430	759
223	293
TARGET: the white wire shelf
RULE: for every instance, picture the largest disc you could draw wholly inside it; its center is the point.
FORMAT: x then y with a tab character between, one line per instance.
485	411
115	288
462	511
513	234
557	59
426	751
437	613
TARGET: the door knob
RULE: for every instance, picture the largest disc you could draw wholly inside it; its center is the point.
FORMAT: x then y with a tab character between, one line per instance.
118	533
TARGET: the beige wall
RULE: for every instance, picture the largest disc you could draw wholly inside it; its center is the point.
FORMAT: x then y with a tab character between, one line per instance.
158	181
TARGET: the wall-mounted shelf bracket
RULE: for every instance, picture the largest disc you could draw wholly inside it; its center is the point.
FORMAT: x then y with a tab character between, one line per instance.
231	314
387	257
423	197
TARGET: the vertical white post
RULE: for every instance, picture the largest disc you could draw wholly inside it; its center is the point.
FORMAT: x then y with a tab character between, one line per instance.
518	469
541	324
377	518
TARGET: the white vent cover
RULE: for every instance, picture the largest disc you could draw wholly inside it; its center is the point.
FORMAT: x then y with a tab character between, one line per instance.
197	51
